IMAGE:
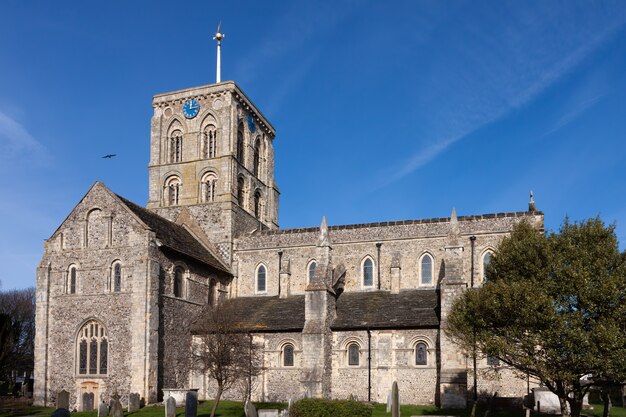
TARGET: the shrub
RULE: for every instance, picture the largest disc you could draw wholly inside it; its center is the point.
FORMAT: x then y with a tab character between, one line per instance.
309	407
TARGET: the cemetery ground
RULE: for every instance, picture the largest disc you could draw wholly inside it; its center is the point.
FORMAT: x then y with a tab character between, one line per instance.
12	408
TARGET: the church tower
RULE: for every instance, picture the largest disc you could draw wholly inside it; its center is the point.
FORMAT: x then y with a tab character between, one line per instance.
211	151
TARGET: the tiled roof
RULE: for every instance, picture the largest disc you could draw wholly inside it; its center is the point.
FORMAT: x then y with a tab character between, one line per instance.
175	236
383	310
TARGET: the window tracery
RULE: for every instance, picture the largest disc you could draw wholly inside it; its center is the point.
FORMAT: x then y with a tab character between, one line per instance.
92	349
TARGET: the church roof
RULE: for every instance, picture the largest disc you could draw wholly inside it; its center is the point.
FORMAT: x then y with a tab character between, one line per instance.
409	309
384	310
174	236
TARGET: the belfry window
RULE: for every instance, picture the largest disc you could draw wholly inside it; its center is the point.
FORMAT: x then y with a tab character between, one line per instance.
261	285
207	191
257	204
172	191
368	272
71	280
209	142
179	273
421	354
240	144
92	349
176	146
257	157
117	277
353	354
426	270
240	197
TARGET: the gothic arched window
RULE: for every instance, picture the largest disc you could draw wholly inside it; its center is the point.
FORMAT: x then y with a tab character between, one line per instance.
207	192
353	354
209	142
368	272
486	263
212	287
240	185
176	146
72	280
92	349
117	277
421	354
257	157
288	355
257	204
261	284
240	144
179	287
311	271
172	191
426	270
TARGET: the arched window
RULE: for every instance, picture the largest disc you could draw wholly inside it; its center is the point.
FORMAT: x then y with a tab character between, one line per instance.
207	191
176	146
311	271
92	349
172	191
257	157
179	273
368	272
240	185
117	277
261	285
209	142
421	353
353	354
72	280
426	270
486	262
257	204
212	286
288	355
240	144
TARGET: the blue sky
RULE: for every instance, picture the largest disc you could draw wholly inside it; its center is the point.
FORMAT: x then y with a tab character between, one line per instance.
383	110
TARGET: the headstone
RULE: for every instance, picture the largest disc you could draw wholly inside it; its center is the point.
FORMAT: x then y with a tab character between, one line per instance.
389	402
133	402
63	400
116	406
61	412
547	401
103	409
268	413
88	401
250	410
191	404
170	407
395	400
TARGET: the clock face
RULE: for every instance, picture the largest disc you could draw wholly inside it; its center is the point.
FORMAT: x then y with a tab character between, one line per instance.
191	109
251	124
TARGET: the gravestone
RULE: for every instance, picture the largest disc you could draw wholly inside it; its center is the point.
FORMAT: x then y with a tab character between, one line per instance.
395	400
170	407
548	401
88	401
103	409
191	404
133	402
250	410
389	402
268	413
61	412
63	400
116	406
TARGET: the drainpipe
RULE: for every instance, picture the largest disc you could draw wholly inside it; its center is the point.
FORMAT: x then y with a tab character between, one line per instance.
369	365
378	245
472	241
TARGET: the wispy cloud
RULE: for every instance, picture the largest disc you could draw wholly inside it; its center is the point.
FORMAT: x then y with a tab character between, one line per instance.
519	70
15	140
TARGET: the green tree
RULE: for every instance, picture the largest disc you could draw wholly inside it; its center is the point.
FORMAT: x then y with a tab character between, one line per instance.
553	306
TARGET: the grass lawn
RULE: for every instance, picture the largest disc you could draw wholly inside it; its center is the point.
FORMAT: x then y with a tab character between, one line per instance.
235	409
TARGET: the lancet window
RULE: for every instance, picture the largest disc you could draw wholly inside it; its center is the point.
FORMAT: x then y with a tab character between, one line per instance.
176	146
209	142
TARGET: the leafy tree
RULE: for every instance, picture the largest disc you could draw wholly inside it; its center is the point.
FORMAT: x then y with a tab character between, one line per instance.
17	332
224	351
553	306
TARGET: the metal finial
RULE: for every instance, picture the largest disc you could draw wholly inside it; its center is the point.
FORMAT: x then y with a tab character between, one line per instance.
218	37
531	202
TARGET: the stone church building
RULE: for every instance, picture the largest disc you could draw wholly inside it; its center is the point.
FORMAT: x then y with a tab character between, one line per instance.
338	310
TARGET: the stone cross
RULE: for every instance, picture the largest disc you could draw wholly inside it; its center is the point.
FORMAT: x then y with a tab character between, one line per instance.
395	400
170	407
191	404
63	399
133	402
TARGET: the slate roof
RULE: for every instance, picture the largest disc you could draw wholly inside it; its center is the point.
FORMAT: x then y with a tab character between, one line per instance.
175	236
355	310
383	310
267	314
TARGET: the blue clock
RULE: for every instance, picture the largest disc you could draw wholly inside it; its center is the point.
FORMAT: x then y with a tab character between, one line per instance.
191	109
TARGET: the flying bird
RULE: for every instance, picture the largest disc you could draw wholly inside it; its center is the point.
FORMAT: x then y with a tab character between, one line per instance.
111	155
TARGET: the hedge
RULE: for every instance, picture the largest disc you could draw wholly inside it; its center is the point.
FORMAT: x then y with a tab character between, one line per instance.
309	407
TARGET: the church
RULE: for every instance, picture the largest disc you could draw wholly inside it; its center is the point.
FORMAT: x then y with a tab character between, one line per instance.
338	310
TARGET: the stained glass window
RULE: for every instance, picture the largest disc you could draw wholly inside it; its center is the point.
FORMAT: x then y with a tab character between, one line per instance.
288	355
117	277
260	279
353	354
368	273
312	266
82	367
93	349
421	353
427	270
93	356
104	345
